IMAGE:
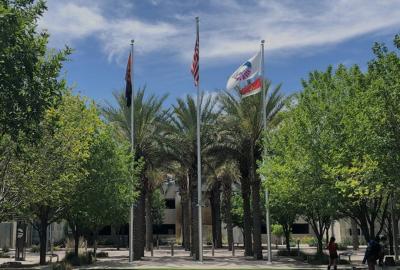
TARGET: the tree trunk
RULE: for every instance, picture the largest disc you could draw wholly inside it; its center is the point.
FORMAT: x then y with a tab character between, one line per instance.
186	222
257	247
327	236
354	234
256	186
395	223
43	239
76	240
143	203
149	223
320	239
247	221
215	200
389	233
319	225
228	213
287	239
138	227
95	244
194	218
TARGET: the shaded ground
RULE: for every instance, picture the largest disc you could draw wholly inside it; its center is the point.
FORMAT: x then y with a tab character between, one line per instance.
222	259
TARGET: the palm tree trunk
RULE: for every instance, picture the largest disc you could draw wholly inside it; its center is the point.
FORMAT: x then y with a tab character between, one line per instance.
257	248
215	200
247	221
143	215
228	213
194	218
186	222
138	227
256	186
149	222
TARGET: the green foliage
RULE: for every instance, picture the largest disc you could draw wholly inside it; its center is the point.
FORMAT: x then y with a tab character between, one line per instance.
237	210
309	240
157	207
102	254
61	266
30	85
35	248
104	194
54	165
29	73
80	259
5	249
277	230
339	142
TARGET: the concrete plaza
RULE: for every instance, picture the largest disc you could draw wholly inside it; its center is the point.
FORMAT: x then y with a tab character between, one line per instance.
222	259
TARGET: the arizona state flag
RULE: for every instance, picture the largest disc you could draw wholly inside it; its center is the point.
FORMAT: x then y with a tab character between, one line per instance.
252	88
128	79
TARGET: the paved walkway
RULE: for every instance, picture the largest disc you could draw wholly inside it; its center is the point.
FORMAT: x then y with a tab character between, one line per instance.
222	259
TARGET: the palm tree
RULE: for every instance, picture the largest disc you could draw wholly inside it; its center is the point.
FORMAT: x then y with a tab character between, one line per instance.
181	178
228	175
244	120
213	190
149	116
181	138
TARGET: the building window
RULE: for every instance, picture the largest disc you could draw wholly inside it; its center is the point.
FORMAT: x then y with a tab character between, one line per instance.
164	229
300	229
170	203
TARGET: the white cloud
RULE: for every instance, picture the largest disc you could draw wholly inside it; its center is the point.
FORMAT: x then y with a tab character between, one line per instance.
229	28
70	22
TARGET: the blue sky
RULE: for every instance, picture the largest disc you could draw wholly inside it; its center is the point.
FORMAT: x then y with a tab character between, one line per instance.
301	36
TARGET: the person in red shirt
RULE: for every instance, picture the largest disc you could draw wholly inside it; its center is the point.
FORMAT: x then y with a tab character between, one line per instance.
333	255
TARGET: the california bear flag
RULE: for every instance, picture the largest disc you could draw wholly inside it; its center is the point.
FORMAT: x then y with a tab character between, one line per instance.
246	71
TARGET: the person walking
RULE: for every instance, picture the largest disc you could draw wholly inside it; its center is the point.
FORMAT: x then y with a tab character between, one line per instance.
373	253
333	255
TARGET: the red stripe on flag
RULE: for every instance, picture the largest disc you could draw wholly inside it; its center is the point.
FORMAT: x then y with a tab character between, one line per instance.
195	63
252	88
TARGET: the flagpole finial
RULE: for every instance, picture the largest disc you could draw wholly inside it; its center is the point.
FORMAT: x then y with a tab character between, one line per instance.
132	41
262	41
197	18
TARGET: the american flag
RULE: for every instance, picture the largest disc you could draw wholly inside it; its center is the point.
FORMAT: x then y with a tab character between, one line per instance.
195	63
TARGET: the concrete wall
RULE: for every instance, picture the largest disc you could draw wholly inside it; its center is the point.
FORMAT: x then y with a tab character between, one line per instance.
7	234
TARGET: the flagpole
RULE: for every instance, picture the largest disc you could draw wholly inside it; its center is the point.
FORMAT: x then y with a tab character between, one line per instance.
133	153
199	196
265	129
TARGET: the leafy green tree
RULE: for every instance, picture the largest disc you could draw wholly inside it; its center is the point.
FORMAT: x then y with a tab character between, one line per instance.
283	189
104	195
55	164
237	211
29	86
28	72
368	172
